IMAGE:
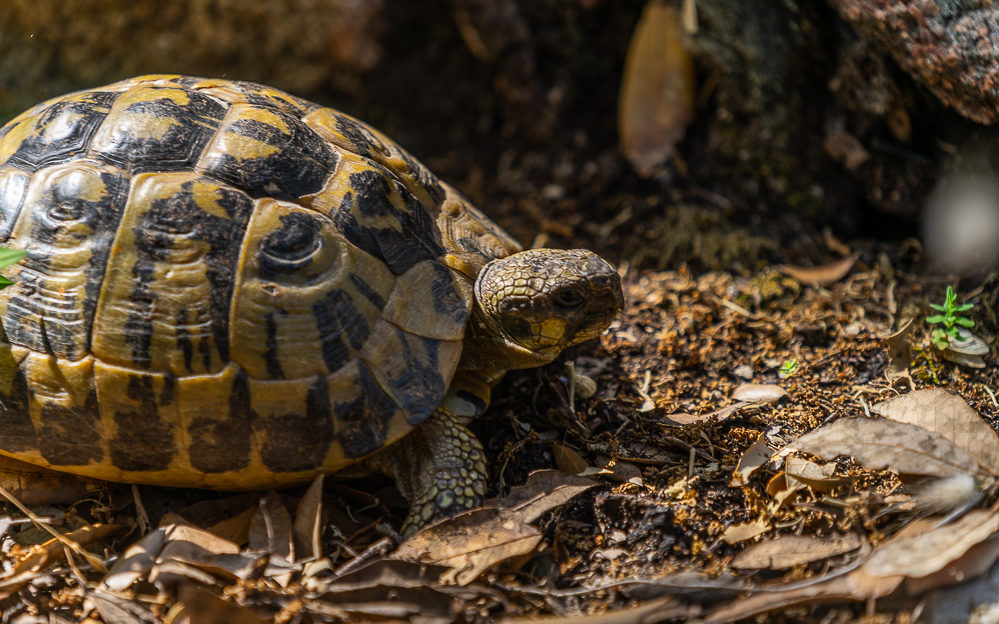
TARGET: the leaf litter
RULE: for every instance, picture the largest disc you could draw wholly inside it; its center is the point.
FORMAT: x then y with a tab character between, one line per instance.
684	510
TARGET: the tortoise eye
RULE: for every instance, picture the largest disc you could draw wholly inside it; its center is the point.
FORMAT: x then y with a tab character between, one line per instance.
291	247
569	298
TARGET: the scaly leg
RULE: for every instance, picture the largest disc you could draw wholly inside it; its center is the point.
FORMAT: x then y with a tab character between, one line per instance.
439	467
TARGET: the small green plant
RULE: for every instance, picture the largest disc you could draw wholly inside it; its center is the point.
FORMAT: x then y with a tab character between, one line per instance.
950	319
8	257
789	367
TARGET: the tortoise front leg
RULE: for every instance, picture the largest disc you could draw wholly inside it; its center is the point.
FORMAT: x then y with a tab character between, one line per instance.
439	467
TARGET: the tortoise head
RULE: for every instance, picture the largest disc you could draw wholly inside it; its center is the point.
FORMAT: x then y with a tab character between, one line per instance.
533	304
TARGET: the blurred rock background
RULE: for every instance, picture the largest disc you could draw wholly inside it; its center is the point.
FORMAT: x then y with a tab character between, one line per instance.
802	115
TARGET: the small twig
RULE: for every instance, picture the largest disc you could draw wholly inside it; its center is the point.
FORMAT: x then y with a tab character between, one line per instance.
140	509
867	410
377	548
991	395
91	559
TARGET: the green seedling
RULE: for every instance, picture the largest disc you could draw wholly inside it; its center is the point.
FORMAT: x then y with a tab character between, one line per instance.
8	257
950	319
789	367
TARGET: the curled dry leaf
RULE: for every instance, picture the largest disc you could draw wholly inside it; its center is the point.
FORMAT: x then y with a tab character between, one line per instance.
948	415
916	556
765	394
308	525
741	532
472	542
657	91
188	552
800	473
567	459
899	351
270	528
752	458
882	443
979	559
788	551
821	275
819	477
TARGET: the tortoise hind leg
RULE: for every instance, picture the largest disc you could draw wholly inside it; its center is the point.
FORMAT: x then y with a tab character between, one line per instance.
439	467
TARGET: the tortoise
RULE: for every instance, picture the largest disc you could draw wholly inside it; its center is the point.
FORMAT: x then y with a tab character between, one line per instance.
230	287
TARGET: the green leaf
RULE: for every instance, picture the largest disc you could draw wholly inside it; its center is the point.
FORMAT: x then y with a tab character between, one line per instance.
10	256
936	318
964	307
953	332
964	322
4	282
938	308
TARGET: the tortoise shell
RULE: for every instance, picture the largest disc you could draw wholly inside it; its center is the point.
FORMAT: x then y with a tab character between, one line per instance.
225	286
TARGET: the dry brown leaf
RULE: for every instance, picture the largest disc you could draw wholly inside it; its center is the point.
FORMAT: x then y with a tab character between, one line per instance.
474	541
204	607
55	549
880	443
788	551
389	573
176	543
431	605
544	490
624	472
977	561
741	532
137	560
821	275
765	394
854	586
115	609
682	419
921	555
656	102
181	539
819	477
471	543
799	473
40	556
309	521
899	351
947	414
658	610
235	529
567	459
270	528
756	455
